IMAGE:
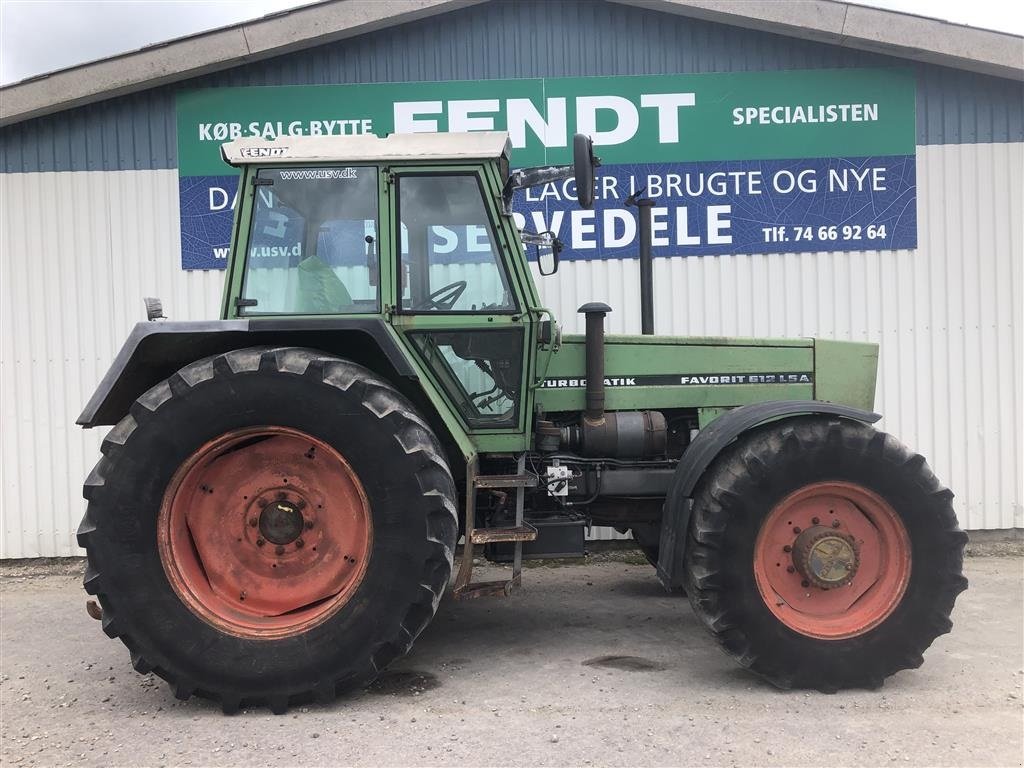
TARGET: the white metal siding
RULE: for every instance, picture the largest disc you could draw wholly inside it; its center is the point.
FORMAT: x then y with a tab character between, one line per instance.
78	250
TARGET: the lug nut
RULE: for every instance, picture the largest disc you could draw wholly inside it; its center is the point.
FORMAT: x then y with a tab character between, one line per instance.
253	522
790	569
797	529
309	525
279	549
835	523
299	543
805	583
260	542
787	548
815	521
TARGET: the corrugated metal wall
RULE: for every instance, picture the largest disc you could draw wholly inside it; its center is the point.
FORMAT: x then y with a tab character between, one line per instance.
507	40
78	252
79	249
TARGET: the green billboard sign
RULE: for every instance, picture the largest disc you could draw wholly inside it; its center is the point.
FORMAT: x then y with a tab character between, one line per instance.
672	123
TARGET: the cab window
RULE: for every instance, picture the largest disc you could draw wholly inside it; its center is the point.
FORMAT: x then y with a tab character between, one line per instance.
312	247
480	370
450	258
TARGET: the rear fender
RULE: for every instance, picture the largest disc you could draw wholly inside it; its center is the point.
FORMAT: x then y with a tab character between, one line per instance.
154	351
702	452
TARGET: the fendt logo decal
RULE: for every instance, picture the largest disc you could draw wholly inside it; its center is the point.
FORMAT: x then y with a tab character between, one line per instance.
256	152
686	380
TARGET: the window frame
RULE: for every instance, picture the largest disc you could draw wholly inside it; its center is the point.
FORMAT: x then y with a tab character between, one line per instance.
496	248
480	422
252	208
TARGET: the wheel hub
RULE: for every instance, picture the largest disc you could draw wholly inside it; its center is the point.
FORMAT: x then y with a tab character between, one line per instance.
827	558
281	522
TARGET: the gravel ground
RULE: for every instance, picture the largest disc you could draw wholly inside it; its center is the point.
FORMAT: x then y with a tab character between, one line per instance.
592	665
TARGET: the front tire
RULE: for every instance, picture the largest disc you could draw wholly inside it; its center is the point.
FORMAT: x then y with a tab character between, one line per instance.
823	554
269	526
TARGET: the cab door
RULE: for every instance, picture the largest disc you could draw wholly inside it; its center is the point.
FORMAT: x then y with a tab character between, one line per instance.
460	301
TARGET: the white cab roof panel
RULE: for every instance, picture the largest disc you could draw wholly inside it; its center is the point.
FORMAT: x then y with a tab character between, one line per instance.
430	147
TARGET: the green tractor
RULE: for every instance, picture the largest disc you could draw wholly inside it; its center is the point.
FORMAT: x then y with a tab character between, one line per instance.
275	514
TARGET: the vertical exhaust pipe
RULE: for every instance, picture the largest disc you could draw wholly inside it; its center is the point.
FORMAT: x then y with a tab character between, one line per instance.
619	433
646	267
644	214
595	312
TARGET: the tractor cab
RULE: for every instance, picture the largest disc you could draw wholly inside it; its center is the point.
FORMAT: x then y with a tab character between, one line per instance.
415	228
321	214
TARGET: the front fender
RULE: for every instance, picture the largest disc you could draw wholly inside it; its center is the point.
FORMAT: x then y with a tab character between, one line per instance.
706	446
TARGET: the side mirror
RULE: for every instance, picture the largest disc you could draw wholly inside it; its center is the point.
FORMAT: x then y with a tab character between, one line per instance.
546	254
584	163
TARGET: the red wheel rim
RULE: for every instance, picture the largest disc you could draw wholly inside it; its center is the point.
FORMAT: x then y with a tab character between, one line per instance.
832	560
265	532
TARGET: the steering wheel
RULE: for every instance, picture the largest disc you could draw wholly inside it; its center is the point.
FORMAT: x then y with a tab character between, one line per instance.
443	298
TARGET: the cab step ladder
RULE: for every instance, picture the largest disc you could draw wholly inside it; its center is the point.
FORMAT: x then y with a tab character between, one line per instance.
520	532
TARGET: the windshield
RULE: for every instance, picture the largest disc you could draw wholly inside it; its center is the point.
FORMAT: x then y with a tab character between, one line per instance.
313	242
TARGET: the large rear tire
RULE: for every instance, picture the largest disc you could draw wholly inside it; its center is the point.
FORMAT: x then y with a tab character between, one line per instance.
823	554
268	526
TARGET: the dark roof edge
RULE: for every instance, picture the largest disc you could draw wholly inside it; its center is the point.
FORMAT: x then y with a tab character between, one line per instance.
903	35
211	51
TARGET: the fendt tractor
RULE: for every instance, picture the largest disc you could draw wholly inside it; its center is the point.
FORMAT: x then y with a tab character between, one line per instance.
275	514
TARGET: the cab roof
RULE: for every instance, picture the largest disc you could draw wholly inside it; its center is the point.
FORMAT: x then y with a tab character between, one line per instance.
430	147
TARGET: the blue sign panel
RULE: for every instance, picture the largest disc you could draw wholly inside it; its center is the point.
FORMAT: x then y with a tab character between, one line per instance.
705	208
738	206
